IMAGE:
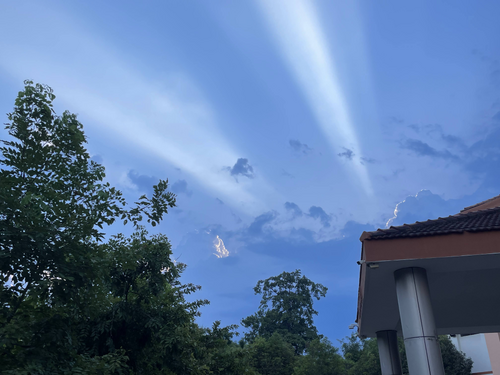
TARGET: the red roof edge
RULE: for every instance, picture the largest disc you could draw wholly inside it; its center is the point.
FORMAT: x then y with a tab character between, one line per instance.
475	207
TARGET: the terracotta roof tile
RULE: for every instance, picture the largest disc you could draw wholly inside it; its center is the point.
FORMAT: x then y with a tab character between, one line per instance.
480	204
477	221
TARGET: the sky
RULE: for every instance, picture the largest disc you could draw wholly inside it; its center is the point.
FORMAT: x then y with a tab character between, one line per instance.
286	127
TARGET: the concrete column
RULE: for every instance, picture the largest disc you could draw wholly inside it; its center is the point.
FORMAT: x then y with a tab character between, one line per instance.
388	352
417	320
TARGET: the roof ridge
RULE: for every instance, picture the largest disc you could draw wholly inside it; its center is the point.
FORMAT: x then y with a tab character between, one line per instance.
420	227
480	203
478	212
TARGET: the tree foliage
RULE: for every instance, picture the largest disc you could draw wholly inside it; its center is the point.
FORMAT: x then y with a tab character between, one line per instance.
455	362
321	358
360	356
286	308
272	356
71	302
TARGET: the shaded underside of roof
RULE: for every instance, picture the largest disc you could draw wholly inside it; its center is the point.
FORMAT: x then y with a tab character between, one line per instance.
477	221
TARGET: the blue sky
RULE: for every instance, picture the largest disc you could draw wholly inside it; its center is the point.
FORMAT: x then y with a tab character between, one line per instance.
286	127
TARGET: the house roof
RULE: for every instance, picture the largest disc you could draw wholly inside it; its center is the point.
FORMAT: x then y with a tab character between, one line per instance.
475	221
488	203
461	256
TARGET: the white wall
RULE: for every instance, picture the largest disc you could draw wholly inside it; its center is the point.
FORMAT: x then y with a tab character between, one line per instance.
474	346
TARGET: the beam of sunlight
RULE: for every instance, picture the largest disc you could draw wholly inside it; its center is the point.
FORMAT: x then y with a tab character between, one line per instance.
298	34
169	118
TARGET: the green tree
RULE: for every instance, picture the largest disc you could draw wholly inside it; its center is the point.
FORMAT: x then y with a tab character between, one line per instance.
360	356
147	315
321	358
272	356
286	308
59	281
144	311
455	362
71	302
220	355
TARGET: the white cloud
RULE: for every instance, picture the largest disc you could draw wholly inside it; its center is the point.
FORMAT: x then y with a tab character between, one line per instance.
220	248
299	35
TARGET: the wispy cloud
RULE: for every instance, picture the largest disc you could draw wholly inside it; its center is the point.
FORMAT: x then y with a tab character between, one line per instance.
318	213
170	118
299	147
296	211
181	187
423	149
298	33
241	168
347	154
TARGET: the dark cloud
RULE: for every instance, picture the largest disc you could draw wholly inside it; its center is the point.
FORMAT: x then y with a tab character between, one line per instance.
484	162
236	218
290	206
181	187
365	159
242	168
420	147
481	160
298	146
423	149
436	131
427	129
143	182
396	120
415	128
453	141
488	147
348	154
256	228
318	213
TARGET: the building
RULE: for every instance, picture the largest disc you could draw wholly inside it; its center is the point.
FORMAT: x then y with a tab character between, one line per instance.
430	278
483	348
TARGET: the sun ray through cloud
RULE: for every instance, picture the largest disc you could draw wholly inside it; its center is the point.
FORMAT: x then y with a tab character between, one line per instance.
170	119
305	49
